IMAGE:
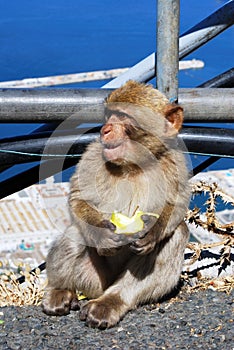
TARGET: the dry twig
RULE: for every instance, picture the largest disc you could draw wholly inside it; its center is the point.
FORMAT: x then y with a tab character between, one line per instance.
14	293
211	223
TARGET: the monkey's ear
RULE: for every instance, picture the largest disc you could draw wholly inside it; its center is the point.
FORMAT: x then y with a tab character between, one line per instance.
174	116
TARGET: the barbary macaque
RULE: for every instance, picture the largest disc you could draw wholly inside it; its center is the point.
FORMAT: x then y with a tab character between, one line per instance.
134	165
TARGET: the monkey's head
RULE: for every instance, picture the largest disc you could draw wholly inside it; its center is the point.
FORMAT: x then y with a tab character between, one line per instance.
139	120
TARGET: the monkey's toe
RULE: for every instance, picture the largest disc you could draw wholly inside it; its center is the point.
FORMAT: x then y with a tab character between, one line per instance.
76	304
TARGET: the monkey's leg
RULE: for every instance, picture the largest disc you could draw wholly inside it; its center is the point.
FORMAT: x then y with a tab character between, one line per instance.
72	267
145	278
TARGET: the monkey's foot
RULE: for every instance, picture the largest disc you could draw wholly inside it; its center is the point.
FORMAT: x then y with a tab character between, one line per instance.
59	302
104	312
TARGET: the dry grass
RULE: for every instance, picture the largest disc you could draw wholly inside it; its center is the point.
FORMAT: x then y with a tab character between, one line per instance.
219	284
28	293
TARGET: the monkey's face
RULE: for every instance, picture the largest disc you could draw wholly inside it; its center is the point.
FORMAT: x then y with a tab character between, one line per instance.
115	136
132	135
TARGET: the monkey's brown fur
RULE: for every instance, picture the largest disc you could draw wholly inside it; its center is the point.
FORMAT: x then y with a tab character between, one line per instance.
132	165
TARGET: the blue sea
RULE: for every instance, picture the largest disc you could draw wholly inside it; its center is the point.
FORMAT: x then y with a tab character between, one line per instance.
45	38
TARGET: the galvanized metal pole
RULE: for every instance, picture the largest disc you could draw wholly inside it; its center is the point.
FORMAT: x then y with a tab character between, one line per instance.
168	48
87	105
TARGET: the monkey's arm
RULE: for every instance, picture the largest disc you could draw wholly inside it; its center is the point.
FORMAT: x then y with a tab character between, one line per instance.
146	240
97	231
82	210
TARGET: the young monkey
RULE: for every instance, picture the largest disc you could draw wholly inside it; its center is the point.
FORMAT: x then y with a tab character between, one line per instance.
134	164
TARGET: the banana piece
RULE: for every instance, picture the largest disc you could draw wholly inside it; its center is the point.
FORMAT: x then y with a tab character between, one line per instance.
129	225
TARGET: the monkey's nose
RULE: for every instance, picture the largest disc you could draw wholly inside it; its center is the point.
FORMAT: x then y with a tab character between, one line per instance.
106	129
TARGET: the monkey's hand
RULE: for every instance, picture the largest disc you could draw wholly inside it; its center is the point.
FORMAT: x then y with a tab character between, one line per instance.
144	241
108	242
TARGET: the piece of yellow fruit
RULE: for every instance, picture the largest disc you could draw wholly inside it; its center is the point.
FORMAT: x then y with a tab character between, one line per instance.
80	296
129	225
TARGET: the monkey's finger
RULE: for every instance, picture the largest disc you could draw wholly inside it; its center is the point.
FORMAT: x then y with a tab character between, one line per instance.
109	225
145	218
138	235
149	220
121	239
142	249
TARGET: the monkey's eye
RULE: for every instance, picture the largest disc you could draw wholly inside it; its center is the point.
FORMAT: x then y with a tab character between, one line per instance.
129	128
122	116
108	114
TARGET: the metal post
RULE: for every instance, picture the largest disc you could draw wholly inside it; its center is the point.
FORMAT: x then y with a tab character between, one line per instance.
168	48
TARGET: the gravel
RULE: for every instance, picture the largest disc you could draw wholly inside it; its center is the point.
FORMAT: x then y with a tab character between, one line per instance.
202	320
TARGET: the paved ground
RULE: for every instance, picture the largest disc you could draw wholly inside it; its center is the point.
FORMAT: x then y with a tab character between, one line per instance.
202	320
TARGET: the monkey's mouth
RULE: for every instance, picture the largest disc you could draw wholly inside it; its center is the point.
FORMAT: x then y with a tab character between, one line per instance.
112	152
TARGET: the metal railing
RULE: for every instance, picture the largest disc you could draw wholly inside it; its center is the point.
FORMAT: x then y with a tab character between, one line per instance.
213	101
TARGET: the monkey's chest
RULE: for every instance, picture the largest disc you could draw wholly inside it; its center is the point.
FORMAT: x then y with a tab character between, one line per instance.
126	196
